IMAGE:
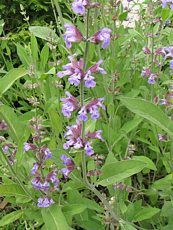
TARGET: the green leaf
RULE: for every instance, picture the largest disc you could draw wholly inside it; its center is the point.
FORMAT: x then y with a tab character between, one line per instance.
17	129
45	33
117	171
127	127
23	55
149	111
10	218
7	81
34	48
73	209
12	190
54	218
145	213
149	163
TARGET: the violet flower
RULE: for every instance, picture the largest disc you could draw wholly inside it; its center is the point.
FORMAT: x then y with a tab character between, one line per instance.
73	136
167	2
145	72
88	149
72	34
70	166
79	6
103	35
74	70
45	202
70	104
171	64
95	135
151	79
93	108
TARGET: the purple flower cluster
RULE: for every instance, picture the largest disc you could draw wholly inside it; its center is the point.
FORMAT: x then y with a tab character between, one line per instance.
92	108
73	35
45	183
74	70
74	138
77	75
167	2
148	72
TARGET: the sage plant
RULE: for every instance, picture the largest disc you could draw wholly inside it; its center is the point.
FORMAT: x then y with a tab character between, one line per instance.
82	76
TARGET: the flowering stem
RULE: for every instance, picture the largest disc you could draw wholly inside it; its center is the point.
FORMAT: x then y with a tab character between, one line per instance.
84	170
82	96
16	177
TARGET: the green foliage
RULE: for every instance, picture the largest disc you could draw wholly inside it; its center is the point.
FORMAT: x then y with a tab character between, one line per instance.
132	169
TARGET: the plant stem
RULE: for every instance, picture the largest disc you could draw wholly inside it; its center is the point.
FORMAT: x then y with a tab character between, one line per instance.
59	12
82	96
16	177
84	170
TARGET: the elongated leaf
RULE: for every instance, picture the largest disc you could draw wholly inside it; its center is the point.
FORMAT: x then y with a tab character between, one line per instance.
12	190
45	33
17	129
150	112
74	209
150	164
117	171
8	80
54	218
23	55
10	218
145	213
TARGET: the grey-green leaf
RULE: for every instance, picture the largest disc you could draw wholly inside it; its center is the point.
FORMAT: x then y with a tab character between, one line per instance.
10	218
150	112
54	218
45	33
8	80
117	171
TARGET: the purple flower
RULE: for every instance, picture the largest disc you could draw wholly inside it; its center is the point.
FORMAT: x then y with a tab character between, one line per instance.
83	114
96	68
28	146
73	136
171	64
47	153
69	163
65	172
95	135
45	202
72	34
93	108
162	137
37	184
146	50
88	149
103	35
166	2
163	102
89	80
74	70
70	104
168	52
145	72
151	79
34	168
79	6
52	179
